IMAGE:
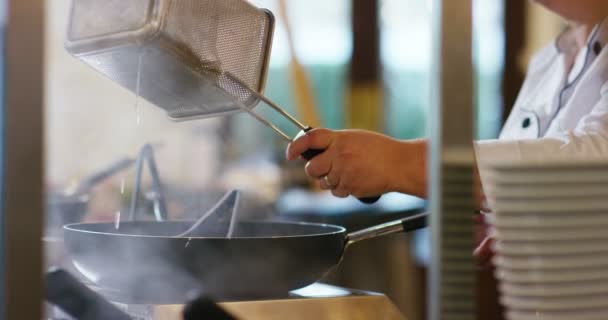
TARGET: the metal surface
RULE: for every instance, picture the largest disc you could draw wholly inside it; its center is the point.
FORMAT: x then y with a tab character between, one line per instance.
385	229
22	156
234	82
173	53
347	305
146	155
267	123
219	218
452	279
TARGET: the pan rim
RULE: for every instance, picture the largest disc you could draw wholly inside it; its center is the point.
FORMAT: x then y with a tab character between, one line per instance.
73	227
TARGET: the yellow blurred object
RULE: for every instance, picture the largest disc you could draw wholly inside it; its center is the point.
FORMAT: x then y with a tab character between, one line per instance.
364	107
340	308
350	308
304	95
300	83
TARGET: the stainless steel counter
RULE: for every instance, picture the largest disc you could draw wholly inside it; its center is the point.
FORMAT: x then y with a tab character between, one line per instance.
318	302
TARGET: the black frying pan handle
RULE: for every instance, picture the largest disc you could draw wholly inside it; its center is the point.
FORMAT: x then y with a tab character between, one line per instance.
205	308
76	299
411	223
311	153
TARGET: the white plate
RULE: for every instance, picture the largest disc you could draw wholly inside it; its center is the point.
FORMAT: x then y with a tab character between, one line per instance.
527	191
554	276
555	304
573	205
551	248
536	177
595	314
551	262
510	166
543	220
554	290
538	234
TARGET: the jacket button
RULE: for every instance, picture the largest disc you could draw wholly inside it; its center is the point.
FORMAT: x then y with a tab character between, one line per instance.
597	48
526	124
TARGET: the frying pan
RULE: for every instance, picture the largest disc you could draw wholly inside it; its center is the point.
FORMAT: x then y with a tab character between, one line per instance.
143	262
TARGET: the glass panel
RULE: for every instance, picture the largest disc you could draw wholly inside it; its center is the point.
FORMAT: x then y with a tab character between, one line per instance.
406	55
489	43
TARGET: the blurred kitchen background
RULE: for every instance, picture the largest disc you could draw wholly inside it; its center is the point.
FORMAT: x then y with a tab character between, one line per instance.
369	65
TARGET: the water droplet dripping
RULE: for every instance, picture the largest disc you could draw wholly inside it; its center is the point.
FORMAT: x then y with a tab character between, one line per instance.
138	88
117	221
122	186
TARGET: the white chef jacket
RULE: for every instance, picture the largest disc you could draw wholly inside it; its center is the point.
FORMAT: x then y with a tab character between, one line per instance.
559	115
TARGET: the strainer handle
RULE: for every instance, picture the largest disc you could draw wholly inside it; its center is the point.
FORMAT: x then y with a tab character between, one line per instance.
308	154
311	153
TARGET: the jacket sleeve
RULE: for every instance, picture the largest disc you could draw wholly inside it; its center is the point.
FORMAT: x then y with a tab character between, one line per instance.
587	142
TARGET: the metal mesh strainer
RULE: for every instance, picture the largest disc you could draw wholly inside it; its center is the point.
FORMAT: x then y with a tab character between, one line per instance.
176	48
193	58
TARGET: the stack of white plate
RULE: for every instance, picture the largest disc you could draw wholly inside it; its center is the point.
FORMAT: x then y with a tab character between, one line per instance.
550	223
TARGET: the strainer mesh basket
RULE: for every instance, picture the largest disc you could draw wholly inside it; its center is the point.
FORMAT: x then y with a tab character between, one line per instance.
180	50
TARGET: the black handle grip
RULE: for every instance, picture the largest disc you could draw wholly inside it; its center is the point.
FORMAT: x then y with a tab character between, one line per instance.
415	223
205	308
369	200
77	300
311	153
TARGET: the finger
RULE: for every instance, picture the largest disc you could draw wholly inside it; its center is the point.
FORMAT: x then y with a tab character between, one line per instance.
324	185
329	182
483	253
343	188
340	192
315	139
320	166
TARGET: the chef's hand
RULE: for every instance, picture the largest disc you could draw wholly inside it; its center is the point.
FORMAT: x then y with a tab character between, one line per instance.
483	252
363	163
